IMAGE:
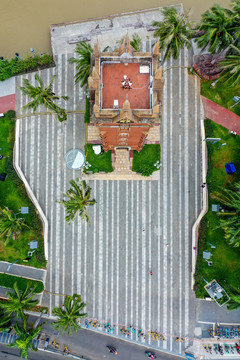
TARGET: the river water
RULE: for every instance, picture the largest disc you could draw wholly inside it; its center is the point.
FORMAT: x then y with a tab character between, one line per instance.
25	23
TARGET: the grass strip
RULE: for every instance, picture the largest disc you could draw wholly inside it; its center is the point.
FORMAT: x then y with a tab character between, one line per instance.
101	162
7	281
143	161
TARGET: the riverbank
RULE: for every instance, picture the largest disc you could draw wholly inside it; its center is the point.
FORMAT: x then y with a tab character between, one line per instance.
25	24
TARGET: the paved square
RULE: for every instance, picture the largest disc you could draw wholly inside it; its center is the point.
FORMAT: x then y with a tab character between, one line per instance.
137	226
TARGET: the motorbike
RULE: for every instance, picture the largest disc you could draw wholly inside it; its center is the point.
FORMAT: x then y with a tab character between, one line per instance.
150	355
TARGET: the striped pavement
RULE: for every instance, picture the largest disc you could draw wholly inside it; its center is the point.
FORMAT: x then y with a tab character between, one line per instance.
136	226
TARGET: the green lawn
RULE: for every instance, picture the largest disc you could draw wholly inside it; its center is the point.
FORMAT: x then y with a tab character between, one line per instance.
221	94
226	264
101	162
143	161
13	195
8	281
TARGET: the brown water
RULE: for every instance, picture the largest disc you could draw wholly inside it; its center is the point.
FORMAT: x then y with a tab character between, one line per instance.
25	23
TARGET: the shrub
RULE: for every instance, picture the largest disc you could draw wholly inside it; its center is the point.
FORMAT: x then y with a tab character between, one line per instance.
10	114
9	68
87	111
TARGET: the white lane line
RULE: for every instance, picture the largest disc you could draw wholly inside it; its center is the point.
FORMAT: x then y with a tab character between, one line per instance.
100	251
85	261
64	190
117	262
112	253
165	214
186	185
107	221
137	256
39	120
74	178
57	189
132	258
32	147
51	212
171	202
126	257
47	157
180	237
94	256
26	121
143	322
150	252
196	147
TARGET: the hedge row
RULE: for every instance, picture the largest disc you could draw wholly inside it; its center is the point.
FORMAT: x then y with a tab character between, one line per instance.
8	281
9	68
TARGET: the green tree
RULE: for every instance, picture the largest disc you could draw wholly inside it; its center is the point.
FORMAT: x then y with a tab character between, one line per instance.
25	337
5	320
218	27
19	300
43	96
68	314
231	225
83	62
10	225
79	199
136	42
174	32
231	68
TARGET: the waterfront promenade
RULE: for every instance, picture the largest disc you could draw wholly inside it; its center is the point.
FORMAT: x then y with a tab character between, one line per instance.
136	226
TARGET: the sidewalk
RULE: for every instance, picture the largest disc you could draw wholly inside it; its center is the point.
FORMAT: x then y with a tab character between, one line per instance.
7	95
220	115
24	271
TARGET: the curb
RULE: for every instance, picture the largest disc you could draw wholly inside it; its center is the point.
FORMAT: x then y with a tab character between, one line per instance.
29	190
205	200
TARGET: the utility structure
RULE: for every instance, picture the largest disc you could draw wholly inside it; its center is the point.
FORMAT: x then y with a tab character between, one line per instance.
125	88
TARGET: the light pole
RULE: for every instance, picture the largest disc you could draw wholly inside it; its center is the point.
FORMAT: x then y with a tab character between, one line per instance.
10	265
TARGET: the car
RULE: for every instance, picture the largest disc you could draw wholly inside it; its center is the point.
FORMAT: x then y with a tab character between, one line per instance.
111	349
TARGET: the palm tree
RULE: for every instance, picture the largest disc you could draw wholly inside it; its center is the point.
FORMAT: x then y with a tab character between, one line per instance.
5	320
79	199
10	225
231	225
83	63
173	32
20	300
25	337
218	27
43	96
231	67
136	42
69	314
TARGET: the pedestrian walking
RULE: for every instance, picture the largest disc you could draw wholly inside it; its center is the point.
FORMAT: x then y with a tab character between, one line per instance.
150	272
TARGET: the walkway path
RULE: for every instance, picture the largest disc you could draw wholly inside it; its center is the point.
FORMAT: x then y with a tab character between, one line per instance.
24	271
221	115
7	95
135	225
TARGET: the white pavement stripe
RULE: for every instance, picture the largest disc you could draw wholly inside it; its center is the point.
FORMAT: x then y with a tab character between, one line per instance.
170	249
32	146
38	155
143	262
196	146
186	168
47	157
79	254
149	240
180	149
159	291
137	256
132	257
26	121
100	250
107	222
126	257
112	253
94	256
165	212
117	262
74	178
85	260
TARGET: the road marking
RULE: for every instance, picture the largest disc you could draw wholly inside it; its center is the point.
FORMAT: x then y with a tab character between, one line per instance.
107	221
196	148
64	191
150	251
165	214
132	257
117	262
32	146
186	230
143	236
112	254
94	256
126	256
180	238
38	155
137	256
100	250
171	201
